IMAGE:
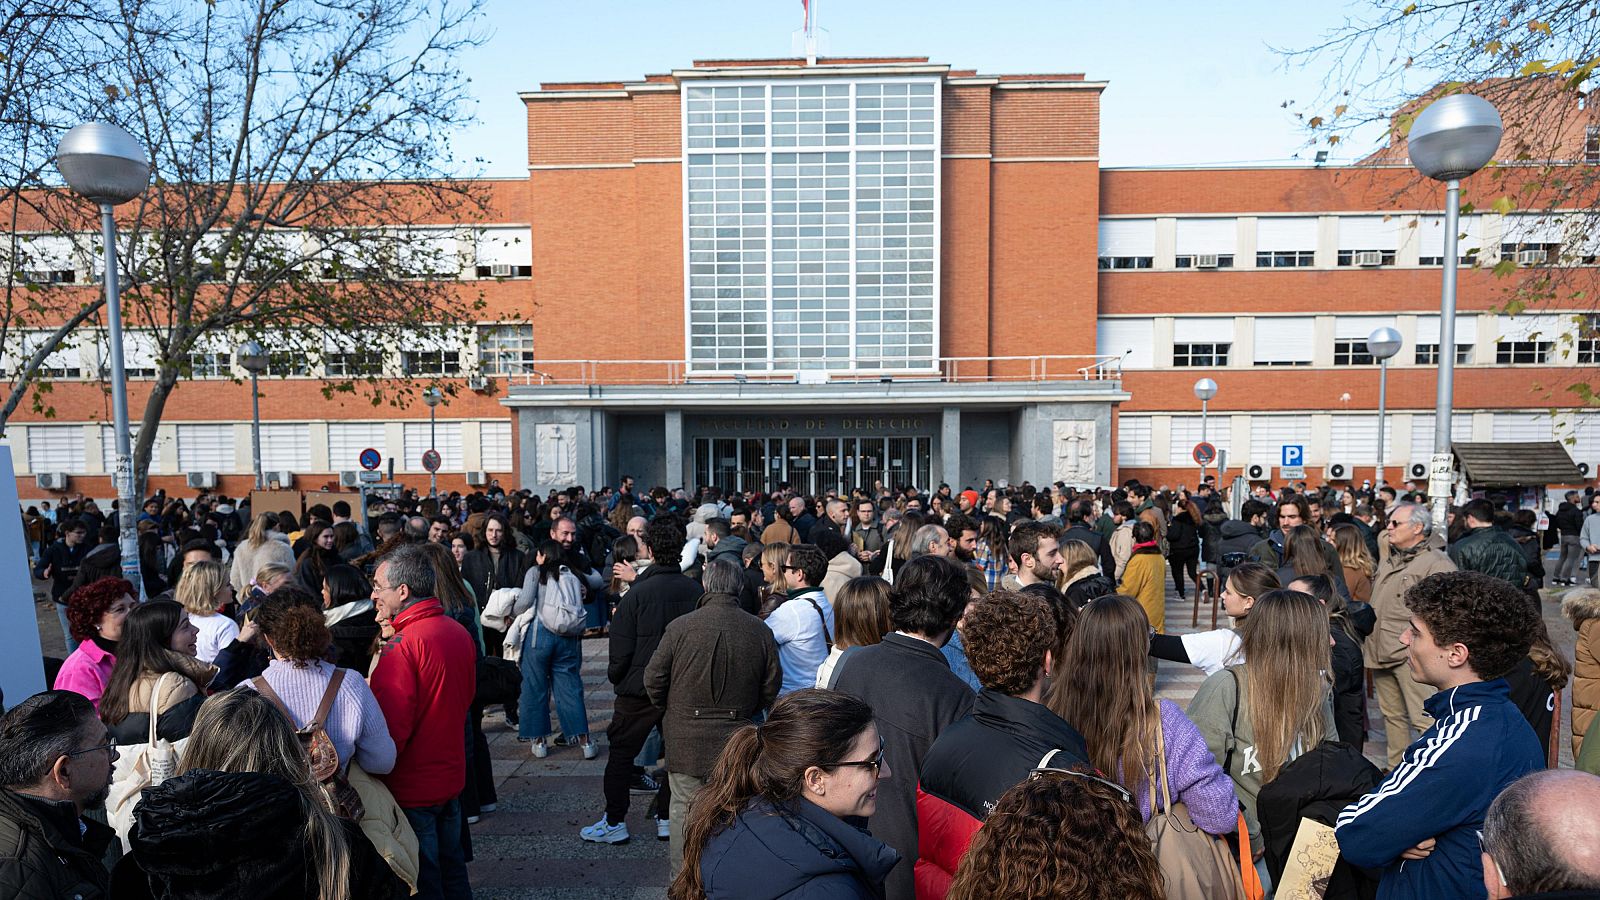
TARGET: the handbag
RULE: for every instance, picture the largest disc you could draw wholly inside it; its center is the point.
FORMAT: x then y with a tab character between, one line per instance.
1195	865
140	766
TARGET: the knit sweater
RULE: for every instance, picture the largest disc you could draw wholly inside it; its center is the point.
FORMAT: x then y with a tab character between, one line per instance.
1193	775
355	723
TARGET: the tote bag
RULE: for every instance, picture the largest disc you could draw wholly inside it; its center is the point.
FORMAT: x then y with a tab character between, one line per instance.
141	766
1194	864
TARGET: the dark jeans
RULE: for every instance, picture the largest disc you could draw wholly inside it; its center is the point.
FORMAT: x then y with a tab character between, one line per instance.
631	721
442	870
1182	561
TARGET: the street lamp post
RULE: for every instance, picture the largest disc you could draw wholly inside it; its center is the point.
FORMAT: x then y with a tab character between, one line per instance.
1204	389
433	397
253	357
105	165
1382	344
1451	139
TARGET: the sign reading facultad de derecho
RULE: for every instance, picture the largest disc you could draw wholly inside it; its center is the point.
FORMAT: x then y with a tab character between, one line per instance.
841	425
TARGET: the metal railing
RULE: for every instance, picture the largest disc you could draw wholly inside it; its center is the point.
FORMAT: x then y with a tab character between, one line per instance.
947	370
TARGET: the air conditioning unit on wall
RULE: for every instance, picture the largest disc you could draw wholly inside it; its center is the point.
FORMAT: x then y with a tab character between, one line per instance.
1338	471
51	481
1417	471
204	481
1584	469
477	479
350	478
1369	258
282	478
1532	257
1256	472
1205	261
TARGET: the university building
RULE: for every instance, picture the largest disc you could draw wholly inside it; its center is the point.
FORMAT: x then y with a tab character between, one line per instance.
753	271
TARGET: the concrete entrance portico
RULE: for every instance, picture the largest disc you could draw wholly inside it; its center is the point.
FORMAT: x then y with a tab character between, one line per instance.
743	435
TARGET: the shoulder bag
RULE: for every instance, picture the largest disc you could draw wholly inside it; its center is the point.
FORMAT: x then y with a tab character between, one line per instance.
142	765
1194	864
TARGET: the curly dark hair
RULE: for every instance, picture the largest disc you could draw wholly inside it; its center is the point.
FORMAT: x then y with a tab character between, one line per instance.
1059	836
1007	635
293	628
87	605
1494	620
665	537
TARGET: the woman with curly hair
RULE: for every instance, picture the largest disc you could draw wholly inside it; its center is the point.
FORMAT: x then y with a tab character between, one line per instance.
784	810
1063	834
95	613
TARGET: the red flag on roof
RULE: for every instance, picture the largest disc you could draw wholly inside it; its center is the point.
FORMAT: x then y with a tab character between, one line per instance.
806	5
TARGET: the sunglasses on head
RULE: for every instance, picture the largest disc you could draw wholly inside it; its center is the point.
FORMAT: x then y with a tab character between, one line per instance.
1077	773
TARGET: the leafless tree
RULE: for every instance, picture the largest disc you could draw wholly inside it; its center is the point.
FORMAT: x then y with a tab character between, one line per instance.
282	133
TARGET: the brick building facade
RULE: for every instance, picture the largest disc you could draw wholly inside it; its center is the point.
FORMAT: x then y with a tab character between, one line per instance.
887	269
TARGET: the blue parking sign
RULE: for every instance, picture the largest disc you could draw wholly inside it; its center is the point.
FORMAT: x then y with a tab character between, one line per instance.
1294	455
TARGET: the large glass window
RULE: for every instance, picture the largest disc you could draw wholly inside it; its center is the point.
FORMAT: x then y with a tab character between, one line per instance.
812	219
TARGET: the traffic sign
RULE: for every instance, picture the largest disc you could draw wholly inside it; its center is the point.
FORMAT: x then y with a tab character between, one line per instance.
431	461
1294	455
370	459
369	477
1205	453
1292	473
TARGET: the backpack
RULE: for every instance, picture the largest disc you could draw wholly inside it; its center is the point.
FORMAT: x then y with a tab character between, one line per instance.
561	605
320	751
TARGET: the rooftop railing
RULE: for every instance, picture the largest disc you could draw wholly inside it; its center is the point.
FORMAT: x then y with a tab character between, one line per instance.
946	370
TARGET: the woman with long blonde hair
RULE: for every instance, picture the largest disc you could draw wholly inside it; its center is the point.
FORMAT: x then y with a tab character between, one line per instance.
774	589
1256	732
264	544
243	817
1101	688
1355	560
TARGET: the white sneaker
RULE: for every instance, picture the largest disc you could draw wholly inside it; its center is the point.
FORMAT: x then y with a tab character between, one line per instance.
472	820
541	749
603	832
590	748
663	829
488	807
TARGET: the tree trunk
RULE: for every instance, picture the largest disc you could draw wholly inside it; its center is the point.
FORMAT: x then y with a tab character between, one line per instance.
148	423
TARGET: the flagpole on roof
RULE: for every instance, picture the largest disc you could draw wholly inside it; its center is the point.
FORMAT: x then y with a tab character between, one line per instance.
811	32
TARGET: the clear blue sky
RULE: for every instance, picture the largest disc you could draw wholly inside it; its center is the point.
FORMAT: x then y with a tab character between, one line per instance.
1190	83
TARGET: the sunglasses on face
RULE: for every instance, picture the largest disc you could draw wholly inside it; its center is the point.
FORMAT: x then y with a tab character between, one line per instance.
875	763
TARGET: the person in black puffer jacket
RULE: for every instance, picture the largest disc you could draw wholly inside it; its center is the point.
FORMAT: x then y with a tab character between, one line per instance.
660	594
1183	542
243	820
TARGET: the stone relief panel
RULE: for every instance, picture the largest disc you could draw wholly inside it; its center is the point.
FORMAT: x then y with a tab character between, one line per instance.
556	453
1073	459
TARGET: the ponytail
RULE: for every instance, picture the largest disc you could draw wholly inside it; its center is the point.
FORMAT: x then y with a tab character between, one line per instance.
805	729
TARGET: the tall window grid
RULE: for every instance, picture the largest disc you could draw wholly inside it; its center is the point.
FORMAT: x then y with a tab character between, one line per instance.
811	212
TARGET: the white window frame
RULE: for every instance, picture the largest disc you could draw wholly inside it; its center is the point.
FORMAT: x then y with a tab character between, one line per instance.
220	458
497	448
1118	336
285	445
415	440
56	448
1133	440
346	440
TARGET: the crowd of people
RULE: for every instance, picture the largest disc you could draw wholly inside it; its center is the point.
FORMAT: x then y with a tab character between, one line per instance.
884	693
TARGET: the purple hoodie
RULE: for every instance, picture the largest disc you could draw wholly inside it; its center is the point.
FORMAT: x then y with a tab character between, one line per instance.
1193	776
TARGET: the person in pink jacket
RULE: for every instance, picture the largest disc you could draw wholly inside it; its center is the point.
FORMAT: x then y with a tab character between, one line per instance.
95	613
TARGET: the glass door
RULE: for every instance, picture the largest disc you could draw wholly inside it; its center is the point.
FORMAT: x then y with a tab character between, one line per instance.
725	464
753	464
900	462
797	459
871	468
825	454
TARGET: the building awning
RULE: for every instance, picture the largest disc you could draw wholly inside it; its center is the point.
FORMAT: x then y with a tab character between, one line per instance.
1503	464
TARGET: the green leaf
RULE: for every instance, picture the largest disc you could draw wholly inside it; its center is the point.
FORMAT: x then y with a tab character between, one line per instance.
1505	267
1503	205
1409	10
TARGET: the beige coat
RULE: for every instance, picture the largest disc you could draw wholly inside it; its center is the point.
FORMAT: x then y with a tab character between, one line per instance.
1399	570
1583	608
841	569
386	826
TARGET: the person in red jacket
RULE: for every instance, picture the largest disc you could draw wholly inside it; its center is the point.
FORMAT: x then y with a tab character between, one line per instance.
424	681
1011	638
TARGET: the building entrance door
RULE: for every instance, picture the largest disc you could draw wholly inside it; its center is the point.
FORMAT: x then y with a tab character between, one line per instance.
814	465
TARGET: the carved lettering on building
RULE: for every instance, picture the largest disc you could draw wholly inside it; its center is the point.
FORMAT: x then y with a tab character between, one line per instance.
844	424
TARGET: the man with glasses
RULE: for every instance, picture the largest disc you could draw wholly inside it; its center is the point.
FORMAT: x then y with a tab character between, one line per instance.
803	624
424	682
56	759
1538	839
1414	554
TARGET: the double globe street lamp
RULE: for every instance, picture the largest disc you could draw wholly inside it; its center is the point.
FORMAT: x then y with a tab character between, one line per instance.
253	358
1204	390
1451	139
105	165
